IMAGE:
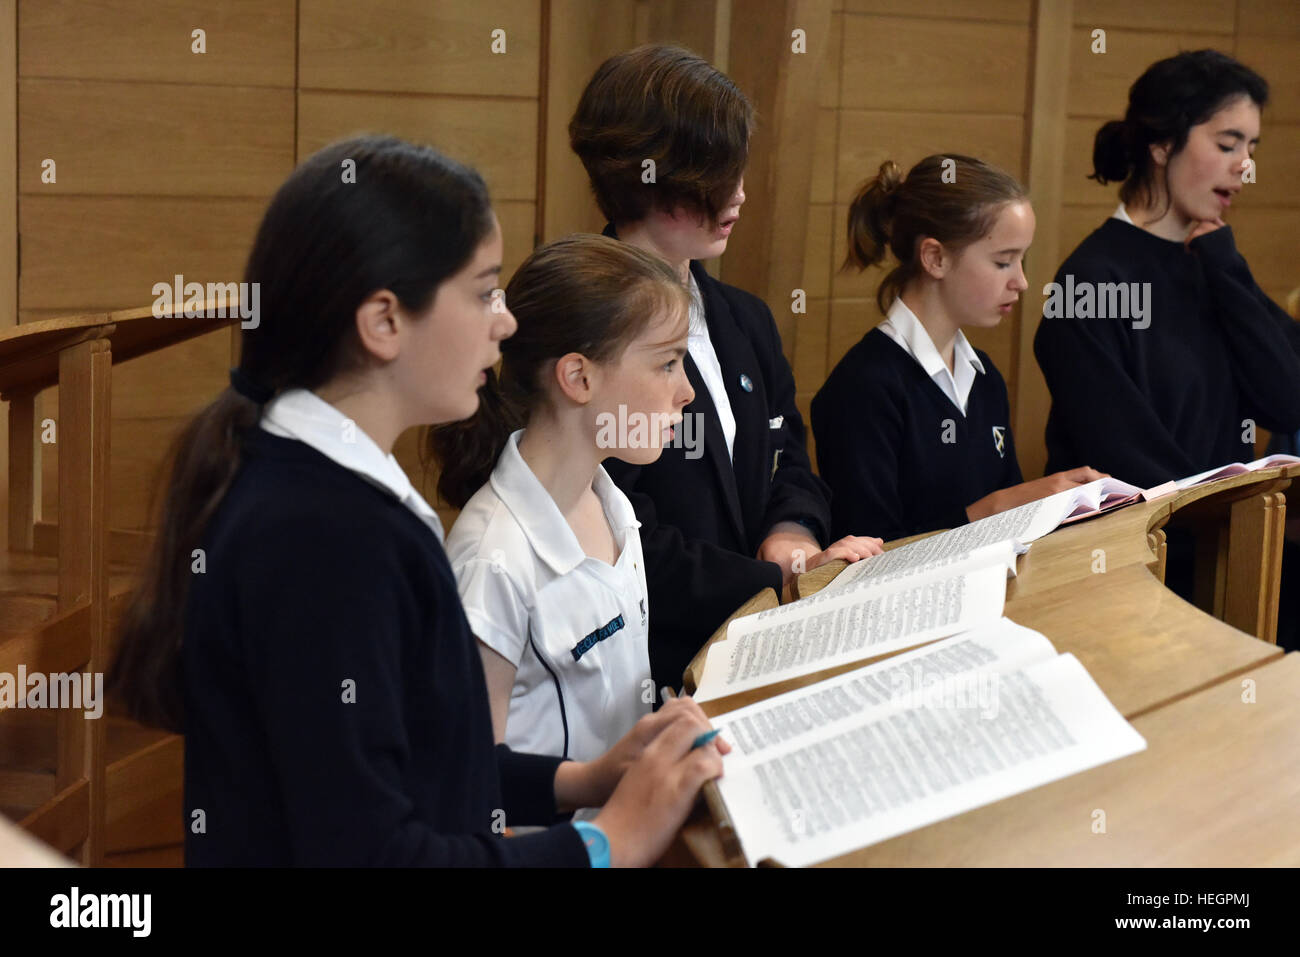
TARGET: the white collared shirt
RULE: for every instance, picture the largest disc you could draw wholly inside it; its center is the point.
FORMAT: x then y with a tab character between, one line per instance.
576	629
700	346
903	327
303	415
1122	215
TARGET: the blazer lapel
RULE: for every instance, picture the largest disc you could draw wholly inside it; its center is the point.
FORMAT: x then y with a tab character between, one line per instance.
715	445
748	470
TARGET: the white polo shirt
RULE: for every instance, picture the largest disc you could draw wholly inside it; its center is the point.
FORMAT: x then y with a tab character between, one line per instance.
902	325
576	629
305	416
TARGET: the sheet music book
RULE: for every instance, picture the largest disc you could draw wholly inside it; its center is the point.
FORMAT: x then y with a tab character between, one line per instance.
1236	468
923	736
876	617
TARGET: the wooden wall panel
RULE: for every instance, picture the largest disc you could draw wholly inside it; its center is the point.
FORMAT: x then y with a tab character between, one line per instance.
1210	16
1015	11
946	66
497	137
154	139
120	246
1099	82
248	42
1275	57
165	158
583	34
1268	18
414	47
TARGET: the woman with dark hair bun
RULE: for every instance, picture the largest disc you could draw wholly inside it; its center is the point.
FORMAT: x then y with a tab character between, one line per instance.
664	136
1160	350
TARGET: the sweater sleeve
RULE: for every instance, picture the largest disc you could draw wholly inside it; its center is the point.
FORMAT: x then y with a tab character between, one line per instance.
1096	402
1263	341
796	494
323	640
527	785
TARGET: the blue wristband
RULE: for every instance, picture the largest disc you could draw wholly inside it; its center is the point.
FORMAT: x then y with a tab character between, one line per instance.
596	842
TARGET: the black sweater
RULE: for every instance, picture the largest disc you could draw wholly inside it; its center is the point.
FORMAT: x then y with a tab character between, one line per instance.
1149	405
899	457
320	587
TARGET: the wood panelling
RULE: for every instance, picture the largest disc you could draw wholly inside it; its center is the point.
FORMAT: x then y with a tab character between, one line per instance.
248	42
945	66
499	137
119	246
1016	11
1210	16
1275	57
400	45
154	139
1099	82
583	34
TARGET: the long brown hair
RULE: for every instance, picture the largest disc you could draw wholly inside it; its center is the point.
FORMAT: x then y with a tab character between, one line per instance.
587	294
949	197
361	215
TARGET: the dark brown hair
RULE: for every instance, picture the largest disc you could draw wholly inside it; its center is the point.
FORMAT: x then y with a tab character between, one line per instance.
665	104
407	220
1164	103
891	214
587	294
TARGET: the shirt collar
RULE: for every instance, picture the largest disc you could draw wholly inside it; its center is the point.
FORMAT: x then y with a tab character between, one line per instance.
303	415
699	327
1122	215
918	342
543	525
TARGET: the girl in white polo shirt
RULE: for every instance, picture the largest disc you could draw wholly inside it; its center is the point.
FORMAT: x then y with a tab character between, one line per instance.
546	550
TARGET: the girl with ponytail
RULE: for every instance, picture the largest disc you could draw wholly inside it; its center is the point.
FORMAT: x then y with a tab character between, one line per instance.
913	426
1175	383
546	550
298	620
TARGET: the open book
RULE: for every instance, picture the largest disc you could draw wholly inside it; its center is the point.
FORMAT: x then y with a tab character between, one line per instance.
1023	524
917	738
877	616
1237	468
919	592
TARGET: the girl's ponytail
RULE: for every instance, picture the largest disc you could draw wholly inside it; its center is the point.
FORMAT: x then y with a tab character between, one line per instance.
871	216
468	450
203	460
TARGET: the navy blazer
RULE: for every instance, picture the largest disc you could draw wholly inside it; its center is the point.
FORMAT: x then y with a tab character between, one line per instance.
703	519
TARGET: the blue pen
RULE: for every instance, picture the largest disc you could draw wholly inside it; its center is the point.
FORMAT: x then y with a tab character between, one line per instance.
705	738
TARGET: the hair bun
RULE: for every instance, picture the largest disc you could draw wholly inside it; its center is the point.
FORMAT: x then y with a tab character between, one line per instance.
1111	156
889	178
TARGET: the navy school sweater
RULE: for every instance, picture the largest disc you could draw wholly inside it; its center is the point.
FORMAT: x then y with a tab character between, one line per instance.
899	457
336	710
1171	396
